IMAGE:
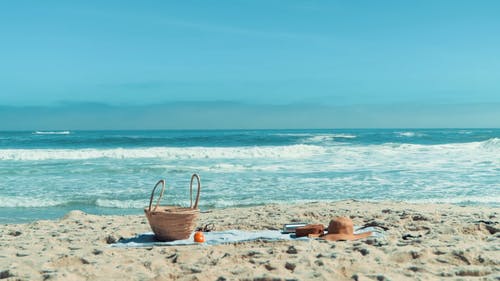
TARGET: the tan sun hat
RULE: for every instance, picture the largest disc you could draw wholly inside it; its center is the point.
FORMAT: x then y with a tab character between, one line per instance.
342	228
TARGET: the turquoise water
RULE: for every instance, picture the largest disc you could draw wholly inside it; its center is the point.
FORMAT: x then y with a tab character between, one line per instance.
45	174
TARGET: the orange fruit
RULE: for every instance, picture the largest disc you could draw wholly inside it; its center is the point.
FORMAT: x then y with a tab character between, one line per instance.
199	237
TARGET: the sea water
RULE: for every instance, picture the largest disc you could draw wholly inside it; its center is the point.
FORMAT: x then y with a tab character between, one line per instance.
44	174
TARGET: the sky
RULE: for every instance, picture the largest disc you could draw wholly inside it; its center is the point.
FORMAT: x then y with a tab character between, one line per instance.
249	64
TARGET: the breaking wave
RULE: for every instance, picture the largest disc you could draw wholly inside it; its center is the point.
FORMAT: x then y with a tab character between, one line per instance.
174	153
51	133
410	134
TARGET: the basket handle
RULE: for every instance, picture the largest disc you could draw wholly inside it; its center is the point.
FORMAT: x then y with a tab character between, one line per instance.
197	193
153	194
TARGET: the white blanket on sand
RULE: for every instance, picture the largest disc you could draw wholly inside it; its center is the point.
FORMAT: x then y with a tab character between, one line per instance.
224	237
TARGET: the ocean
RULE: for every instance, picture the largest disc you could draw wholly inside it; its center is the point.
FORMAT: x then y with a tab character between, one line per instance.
45	174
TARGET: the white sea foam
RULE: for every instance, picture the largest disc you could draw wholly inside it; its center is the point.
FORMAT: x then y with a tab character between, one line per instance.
51	133
139	204
493	143
453	158
173	153
327	137
293	134
347	136
341	156
344	136
490	200
319	138
410	134
18	201
121	204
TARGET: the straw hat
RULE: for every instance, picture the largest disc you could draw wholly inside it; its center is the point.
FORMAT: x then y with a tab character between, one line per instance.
342	228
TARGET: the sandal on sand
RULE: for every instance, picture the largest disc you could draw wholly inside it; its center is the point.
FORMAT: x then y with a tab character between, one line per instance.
206	228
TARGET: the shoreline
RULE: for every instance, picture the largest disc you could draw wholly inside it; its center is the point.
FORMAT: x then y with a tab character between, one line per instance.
422	241
61	211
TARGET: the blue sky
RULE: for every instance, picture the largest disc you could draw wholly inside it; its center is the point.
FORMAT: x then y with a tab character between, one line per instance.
328	56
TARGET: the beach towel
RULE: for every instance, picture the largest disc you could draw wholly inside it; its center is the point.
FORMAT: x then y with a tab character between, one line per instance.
223	237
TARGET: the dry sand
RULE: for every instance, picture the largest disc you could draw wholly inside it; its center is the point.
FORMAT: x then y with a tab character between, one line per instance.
423	242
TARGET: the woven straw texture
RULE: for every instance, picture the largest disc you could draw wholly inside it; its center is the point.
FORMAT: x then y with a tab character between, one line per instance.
173	222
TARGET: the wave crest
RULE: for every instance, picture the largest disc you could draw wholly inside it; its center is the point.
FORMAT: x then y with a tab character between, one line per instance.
51	133
176	153
493	143
409	134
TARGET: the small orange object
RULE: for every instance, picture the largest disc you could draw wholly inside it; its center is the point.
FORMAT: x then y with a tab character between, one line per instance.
199	237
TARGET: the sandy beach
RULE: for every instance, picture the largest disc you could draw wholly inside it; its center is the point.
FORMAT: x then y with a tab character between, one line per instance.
422	242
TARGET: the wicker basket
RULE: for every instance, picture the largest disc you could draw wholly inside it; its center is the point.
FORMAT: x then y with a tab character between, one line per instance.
173	222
